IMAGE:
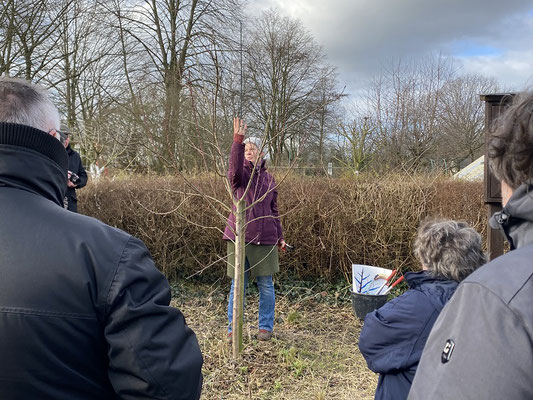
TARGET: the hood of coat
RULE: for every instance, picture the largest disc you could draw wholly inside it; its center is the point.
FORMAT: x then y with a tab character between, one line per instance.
32	160
515	221
439	291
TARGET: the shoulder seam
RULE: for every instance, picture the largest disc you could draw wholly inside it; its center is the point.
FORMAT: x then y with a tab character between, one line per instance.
506	304
114	275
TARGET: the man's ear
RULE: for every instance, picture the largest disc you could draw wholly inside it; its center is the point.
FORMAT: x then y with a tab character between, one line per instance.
55	134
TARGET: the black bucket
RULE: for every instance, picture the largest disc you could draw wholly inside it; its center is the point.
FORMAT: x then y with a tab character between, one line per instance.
364	303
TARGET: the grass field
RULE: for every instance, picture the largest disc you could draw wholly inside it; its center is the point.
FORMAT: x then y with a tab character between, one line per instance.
313	353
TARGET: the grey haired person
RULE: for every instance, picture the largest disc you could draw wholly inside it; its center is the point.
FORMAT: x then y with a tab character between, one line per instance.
84	312
250	179
449	249
481	346
393	337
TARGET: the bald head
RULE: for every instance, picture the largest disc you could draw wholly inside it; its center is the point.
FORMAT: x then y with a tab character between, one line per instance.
22	102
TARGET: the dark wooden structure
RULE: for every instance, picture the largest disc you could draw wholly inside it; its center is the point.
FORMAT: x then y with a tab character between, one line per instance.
494	106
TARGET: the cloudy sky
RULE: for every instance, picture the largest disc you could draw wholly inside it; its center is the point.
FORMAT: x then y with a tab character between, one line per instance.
491	37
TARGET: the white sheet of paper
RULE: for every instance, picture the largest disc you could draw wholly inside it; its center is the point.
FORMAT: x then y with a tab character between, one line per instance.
363	278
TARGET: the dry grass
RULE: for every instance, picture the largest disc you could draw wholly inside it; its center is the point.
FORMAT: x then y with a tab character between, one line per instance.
313	354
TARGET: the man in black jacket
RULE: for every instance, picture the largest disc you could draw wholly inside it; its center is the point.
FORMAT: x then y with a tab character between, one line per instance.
84	313
77	176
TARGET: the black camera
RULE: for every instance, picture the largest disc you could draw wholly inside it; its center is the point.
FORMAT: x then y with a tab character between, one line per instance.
75	179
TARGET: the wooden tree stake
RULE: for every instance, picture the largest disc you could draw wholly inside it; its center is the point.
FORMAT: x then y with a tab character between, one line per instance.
238	289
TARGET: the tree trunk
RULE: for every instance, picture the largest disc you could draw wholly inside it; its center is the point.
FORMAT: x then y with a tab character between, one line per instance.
238	287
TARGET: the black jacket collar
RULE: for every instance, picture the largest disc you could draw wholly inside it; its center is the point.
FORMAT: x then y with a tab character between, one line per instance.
32	160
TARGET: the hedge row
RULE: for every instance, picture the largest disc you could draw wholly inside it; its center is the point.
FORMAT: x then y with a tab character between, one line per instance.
332	223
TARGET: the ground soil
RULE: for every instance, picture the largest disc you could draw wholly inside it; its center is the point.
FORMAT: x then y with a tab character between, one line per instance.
313	353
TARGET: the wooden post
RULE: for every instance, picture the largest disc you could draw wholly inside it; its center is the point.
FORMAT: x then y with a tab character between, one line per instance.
238	287
495	104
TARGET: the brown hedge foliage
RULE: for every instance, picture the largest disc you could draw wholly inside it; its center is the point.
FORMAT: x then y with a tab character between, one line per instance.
332	223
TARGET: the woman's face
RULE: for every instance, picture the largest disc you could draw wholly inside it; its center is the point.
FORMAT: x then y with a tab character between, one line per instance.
251	153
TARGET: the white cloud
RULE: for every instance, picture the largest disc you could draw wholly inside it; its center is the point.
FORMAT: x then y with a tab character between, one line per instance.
359	36
512	69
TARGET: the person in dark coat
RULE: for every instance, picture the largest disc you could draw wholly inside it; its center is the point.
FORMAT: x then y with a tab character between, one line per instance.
263	234
481	346
84	312
77	176
393	337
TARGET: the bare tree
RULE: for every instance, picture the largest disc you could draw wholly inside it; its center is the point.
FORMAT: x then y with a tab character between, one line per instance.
32	35
404	101
162	44
356	143
285	69
427	114
323	110
462	118
8	48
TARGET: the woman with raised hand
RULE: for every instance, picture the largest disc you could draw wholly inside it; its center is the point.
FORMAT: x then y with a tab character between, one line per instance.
263	229
393	337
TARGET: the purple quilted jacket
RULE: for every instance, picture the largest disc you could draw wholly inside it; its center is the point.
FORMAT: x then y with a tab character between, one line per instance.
263	218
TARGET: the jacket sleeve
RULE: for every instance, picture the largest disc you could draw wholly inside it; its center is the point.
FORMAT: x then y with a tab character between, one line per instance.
275	212
492	355
390	334
152	353
82	174
236	165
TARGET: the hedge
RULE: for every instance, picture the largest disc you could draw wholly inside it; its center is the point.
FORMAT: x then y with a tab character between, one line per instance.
331	223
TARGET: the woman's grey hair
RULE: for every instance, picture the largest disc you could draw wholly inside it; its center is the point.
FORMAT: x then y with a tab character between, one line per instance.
449	249
22	102
510	146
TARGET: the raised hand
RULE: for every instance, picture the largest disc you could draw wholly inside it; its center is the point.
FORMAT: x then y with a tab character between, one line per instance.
239	127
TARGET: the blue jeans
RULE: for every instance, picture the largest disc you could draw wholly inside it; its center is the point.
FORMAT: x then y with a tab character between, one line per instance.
267	300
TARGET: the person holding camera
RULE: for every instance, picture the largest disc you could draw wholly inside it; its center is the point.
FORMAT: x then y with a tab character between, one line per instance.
77	176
